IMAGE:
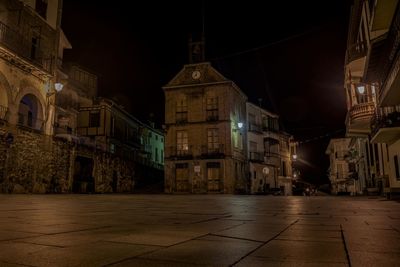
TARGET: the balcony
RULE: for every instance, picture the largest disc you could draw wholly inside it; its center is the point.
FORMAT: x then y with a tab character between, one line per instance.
356	51
272	158
389	64
358	119
212	152
385	128
255	128
179	154
28	55
256	156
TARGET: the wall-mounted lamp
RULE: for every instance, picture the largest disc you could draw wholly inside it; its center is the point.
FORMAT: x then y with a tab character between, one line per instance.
294	156
361	89
58	86
240	125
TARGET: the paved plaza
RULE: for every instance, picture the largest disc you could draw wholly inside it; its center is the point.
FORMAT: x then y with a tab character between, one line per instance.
198	230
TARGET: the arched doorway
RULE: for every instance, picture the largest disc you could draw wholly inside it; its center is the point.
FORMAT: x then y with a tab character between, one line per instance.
30	112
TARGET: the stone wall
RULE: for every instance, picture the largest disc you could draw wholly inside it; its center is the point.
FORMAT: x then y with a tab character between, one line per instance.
35	163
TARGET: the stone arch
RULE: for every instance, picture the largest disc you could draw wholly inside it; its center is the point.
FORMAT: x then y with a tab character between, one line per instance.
35	92
5	95
31	108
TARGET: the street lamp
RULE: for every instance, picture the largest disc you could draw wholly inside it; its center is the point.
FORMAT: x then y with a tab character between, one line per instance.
58	86
361	89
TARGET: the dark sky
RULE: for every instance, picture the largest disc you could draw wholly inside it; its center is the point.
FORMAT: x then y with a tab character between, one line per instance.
289	53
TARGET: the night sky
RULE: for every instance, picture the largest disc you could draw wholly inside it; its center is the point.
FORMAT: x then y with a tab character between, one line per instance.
289	53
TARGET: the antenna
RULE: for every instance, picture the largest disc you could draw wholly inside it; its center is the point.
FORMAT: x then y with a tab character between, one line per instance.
203	10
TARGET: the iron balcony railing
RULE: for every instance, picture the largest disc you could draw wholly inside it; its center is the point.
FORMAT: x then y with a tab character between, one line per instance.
256	156
255	128
381	120
24	48
212	151
29	122
179	153
356	51
389	57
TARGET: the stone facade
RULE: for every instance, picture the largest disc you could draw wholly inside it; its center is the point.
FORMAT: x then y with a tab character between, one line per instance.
37	163
205	148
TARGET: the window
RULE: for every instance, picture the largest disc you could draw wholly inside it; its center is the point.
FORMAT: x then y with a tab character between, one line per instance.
396	167
361	94
94	119
156	155
212	140
112	126
212	108
253	146
181	110
162	156
182	142
283	168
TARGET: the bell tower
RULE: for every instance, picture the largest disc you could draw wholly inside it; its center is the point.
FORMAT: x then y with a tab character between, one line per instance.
196	49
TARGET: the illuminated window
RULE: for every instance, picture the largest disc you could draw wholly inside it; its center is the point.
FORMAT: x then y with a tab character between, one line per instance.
182	142
212	140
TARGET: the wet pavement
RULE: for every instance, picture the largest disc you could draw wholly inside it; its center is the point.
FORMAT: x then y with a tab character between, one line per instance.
198	230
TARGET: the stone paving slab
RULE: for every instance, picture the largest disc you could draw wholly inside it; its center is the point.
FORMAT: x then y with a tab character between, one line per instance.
197	230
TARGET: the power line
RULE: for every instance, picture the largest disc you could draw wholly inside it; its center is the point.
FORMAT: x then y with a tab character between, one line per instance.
321	136
267	45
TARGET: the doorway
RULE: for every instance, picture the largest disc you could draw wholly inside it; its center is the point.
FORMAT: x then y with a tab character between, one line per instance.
83	175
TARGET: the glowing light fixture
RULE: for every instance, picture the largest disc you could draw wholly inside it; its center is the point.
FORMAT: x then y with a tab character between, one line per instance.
240	125
361	89
58	86
294	156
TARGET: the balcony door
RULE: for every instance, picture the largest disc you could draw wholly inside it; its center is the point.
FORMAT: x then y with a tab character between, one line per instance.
213	176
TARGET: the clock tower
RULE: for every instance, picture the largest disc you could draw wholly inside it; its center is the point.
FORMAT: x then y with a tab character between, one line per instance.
196	50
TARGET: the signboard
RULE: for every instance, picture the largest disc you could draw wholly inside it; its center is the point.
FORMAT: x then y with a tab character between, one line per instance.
197	168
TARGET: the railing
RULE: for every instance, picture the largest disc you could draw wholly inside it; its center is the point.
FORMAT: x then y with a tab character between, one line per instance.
255	128
30	122
256	156
212	115
380	120
63	130
3	112
362	111
212	152
356	51
269	129
174	152
388	67
24	48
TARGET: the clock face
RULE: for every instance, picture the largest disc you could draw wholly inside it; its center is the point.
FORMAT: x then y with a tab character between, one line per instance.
196	74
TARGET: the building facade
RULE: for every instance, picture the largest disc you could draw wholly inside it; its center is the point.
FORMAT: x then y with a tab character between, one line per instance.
340	170
269	152
56	136
205	138
370	59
